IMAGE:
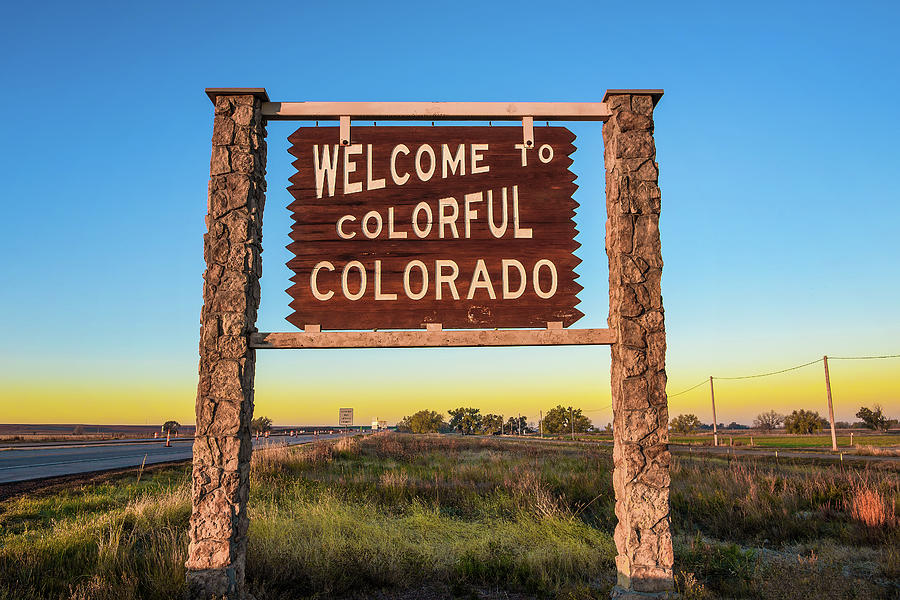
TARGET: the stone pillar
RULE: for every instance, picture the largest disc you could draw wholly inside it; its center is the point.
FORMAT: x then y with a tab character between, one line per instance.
640	415
231	247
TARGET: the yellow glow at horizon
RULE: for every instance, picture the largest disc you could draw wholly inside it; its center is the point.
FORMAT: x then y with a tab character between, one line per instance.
854	384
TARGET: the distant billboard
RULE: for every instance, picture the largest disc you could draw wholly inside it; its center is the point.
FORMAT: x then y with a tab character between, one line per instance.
345	417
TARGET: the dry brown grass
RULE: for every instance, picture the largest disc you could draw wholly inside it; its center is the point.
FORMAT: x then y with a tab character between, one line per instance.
534	495
394	480
867	450
271	459
870	507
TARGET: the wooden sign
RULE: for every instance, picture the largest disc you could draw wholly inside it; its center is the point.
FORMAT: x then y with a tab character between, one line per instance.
406	226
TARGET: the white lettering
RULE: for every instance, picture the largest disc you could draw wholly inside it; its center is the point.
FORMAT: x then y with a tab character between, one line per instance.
399	149
353	264
378	294
497	232
440	278
394	235
372	214
477	157
313	284
549	149
425	175
481	279
507	293
444	219
523	232
523	148
350	167
421	293
470	214
536	275
452	163
326	167
340	229
372	184
422	233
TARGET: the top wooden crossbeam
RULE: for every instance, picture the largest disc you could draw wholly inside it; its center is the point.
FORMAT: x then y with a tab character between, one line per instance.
436	111
432	111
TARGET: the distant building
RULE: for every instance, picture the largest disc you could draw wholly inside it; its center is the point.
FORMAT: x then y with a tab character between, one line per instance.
378	425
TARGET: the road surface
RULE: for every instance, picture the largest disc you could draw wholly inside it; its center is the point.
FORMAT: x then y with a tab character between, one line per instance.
39	461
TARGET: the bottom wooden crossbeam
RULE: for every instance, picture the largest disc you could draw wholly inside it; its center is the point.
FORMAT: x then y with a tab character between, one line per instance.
432	339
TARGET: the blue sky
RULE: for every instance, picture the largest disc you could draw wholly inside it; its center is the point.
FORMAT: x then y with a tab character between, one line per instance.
776	140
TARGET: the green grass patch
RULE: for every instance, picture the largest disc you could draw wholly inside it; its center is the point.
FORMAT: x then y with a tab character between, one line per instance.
786	441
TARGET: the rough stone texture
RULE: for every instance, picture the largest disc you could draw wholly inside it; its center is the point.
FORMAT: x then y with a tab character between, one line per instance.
641	456
231	247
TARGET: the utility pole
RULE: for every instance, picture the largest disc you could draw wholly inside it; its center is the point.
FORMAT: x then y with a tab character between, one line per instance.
712	395
542	424
519	422
830	405
572	421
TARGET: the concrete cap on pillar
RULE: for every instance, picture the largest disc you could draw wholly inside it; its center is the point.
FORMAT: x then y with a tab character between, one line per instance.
655	94
258	92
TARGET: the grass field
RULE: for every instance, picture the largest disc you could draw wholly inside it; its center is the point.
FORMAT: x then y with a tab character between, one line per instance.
822	441
468	518
861	441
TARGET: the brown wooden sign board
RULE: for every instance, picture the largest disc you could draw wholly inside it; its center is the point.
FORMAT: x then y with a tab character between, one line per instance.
406	226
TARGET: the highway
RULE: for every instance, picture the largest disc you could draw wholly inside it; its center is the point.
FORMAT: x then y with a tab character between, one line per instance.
37	461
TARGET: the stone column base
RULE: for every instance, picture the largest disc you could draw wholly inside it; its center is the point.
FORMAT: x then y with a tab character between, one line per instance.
215	584
620	593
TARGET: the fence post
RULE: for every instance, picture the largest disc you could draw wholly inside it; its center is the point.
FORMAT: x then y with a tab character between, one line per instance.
834	446
712	397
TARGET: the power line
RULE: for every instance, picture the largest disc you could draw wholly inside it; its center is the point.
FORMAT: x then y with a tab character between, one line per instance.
794	368
812	362
862	357
598	409
687	390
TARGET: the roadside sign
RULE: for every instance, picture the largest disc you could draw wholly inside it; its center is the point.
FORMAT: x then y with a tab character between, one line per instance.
406	226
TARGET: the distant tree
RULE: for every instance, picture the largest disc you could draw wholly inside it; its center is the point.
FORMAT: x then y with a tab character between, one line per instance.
78	430
491	423
768	421
841	425
560	420
685	423
736	425
803	421
171	427
874	419
424	421
465	420
260	425
608	428
515	424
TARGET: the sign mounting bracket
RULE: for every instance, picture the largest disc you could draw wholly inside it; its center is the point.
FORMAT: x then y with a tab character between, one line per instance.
528	131
345	131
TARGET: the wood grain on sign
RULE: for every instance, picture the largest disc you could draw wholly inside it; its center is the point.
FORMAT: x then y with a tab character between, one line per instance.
373	204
